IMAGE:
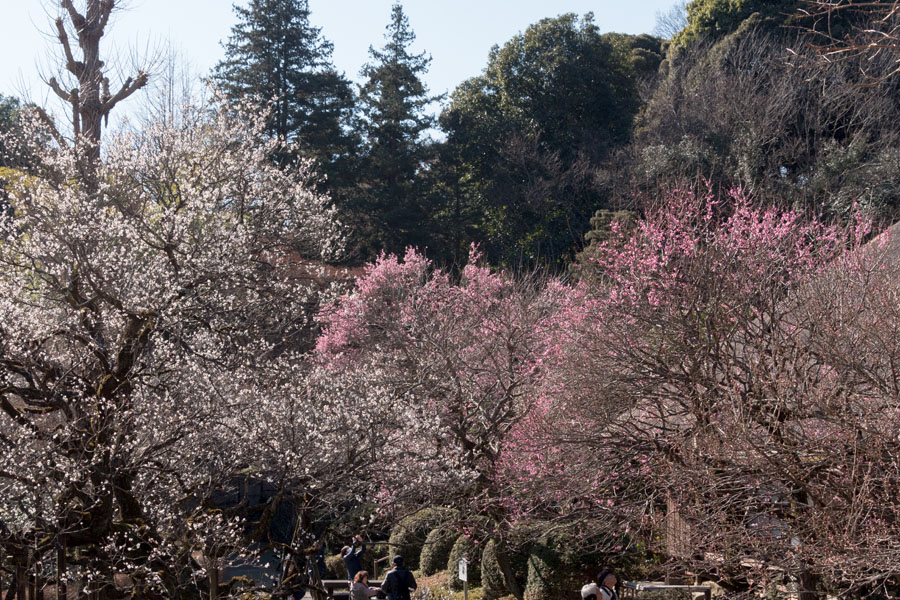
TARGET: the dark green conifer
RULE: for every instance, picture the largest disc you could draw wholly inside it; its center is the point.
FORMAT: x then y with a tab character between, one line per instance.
391	205
274	53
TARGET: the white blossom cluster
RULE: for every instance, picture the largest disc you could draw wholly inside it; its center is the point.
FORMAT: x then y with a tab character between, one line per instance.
153	308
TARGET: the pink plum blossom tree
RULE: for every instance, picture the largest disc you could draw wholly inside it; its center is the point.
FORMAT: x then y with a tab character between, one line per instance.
726	380
459	362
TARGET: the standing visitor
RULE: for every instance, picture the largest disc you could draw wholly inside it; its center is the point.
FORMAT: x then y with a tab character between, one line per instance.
399	581
353	556
604	587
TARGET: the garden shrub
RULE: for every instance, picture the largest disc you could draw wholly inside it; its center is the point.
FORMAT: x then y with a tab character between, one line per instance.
558	565
492	582
436	549
409	534
518	544
464	546
335	565
544	572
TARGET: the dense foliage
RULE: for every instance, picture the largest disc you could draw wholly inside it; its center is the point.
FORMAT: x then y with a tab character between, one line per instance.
714	19
409	535
528	138
10	110
274	53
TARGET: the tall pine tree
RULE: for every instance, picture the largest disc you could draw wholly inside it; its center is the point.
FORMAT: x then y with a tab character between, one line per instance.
275	53
392	210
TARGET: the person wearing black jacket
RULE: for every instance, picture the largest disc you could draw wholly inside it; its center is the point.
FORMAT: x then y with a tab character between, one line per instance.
399	581
353	557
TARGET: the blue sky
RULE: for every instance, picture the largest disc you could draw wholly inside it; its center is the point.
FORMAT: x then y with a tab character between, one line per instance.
458	34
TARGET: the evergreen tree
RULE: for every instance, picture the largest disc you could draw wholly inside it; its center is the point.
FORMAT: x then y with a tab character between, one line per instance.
275	53
714	19
393	212
9	117
533	139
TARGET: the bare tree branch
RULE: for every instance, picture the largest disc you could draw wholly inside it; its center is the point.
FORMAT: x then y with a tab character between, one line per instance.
54	85
77	19
75	67
51	125
106	8
129	87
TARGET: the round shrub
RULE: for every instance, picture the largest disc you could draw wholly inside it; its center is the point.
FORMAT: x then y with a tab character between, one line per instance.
408	535
558	566
518	550
436	549
464	546
335	565
492	583
517	547
544	572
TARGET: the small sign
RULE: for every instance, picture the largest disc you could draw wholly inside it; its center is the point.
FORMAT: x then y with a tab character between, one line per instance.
462	569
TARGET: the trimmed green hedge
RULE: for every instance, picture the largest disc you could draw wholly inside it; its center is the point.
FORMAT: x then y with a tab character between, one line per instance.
492	582
544	572
336	567
436	550
409	534
464	546
558	565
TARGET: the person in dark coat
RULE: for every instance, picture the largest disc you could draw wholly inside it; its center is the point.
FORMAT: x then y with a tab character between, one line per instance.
399	581
352	556
319	562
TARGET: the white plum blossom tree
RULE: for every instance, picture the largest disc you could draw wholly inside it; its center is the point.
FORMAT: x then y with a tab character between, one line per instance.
150	343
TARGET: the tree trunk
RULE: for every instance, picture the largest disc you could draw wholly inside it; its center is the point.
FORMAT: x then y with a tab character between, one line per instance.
92	101
62	591
36	583
212	568
509	576
317	580
21	582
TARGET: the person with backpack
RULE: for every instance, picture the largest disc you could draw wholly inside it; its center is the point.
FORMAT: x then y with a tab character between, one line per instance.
603	588
399	581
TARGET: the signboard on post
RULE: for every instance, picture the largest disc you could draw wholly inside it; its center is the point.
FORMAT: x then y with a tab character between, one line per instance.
464	576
